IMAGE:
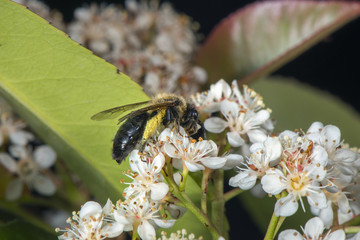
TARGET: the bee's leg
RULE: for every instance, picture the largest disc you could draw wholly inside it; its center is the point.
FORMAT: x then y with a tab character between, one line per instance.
171	116
200	132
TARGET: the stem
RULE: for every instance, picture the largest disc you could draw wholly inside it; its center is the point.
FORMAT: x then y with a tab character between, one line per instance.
193	208
335	218
352	229
353	222
232	193
204	187
135	235
280	222
275	222
218	204
270	233
185	173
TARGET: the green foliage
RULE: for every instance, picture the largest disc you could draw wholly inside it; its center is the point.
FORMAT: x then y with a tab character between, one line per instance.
56	86
296	106
20	230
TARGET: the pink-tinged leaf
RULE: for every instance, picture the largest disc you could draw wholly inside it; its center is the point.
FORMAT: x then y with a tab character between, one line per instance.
260	38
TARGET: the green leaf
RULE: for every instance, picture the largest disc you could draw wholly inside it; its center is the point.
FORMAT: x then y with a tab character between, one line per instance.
262	37
295	105
56	86
20	230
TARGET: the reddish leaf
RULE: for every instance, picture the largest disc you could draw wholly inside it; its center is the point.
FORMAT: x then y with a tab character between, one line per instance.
262	37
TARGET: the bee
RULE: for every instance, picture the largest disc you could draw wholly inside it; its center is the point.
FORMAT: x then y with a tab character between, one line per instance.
166	110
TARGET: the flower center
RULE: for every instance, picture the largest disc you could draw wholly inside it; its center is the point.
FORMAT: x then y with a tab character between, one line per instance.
299	182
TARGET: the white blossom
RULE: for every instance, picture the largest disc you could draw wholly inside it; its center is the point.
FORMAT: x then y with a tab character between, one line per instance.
14	130
29	170
92	222
304	167
313	231
141	214
262	157
147	178
196	155
243	124
179	235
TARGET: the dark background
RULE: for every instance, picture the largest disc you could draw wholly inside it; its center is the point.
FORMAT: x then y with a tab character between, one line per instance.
331	65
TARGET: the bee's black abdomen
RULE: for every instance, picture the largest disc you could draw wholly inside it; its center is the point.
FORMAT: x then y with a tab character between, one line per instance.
128	136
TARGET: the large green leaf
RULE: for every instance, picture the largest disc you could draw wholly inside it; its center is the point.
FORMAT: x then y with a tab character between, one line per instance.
56	86
296	106
19	230
263	36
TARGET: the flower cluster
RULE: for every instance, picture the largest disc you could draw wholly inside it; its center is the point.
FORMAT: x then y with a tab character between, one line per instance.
20	156
147	201
242	112
313	231
150	42
309	164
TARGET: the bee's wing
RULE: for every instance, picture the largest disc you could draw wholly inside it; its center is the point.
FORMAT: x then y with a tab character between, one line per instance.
116	111
145	109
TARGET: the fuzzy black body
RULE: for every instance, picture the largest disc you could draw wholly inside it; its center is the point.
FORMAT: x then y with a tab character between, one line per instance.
128	136
166	110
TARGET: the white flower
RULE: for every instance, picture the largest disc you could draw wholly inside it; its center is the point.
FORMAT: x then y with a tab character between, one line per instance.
313	231
249	99
140	214
196	155
262	157
304	167
209	101
147	178
29	169
179	235
341	162
92	223
241	122
9	128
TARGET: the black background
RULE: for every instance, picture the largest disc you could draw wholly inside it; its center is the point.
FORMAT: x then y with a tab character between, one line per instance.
331	65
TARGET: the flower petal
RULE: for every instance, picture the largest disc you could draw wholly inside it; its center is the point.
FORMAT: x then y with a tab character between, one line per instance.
164	223
90	208
271	182
314	228
337	235
317	199
194	167
158	191
257	135
13	189
43	185
214	162
286	206
8	162
233	160
45	156
146	231
235	139
244	180
290	234
20	137
215	124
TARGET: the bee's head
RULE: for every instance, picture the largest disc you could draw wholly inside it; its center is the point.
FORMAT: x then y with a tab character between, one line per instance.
190	120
